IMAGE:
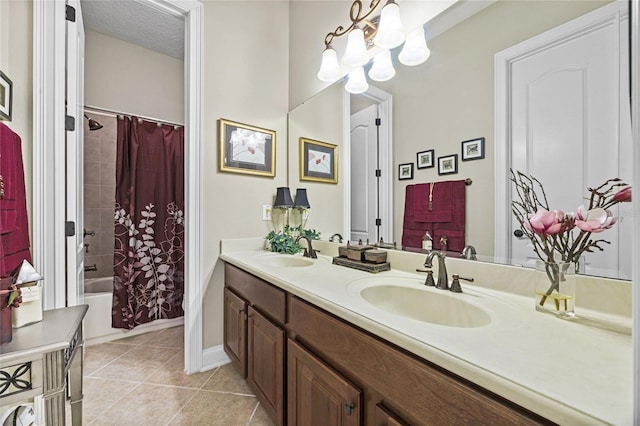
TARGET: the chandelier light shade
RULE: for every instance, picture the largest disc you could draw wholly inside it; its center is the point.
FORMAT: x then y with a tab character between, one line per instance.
385	32
390	31
355	54
357	82
415	50
329	68
382	68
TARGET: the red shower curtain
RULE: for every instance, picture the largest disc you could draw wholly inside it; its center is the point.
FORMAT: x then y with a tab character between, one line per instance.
149	223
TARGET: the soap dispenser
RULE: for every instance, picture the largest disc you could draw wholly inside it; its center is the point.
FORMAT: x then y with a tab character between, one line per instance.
427	242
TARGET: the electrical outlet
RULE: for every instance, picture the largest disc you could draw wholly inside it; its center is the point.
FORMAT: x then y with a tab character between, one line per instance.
266	212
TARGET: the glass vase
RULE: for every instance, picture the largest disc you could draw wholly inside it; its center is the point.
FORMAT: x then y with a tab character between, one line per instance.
555	288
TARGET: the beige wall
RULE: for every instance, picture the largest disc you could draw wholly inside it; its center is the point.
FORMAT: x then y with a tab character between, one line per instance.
16	53
246	79
123	77
320	119
449	98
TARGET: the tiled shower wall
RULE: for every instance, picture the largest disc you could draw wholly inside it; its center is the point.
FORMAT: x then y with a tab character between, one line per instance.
99	194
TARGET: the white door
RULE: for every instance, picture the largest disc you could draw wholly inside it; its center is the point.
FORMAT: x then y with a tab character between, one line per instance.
364	160
75	156
566	127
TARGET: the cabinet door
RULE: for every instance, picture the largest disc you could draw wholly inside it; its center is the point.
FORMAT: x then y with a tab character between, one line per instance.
235	330
266	364
317	395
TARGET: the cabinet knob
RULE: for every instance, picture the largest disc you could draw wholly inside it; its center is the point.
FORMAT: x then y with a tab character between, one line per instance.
348	408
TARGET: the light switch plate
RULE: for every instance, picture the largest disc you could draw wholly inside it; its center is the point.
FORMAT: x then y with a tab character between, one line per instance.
266	212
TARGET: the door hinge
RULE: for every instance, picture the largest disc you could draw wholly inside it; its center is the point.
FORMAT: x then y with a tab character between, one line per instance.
378	222
70	14
378	121
69	229
69	123
378	173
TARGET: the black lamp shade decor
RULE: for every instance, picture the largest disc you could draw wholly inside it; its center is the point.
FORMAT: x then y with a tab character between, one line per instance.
302	202
283	198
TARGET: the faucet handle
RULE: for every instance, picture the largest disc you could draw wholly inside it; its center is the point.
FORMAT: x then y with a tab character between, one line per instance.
429	280
455	284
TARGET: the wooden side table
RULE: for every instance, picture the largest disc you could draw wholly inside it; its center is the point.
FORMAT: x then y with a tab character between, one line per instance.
36	362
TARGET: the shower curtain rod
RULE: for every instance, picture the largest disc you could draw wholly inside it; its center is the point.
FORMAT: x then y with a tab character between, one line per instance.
116	114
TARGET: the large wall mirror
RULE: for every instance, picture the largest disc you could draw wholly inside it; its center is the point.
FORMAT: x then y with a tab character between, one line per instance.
451	98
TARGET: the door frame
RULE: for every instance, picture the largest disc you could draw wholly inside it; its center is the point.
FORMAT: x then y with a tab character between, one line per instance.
49	151
384	101
503	67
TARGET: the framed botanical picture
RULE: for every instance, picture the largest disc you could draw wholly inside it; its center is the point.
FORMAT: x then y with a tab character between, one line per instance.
405	171
448	164
318	161
246	149
473	149
424	159
6	97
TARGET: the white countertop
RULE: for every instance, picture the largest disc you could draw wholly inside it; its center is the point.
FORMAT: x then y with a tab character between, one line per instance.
570	372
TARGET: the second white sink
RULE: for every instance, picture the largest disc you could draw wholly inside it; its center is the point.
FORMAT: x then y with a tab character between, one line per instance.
435	307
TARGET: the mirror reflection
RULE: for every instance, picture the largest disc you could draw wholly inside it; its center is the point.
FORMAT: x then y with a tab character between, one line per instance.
453	98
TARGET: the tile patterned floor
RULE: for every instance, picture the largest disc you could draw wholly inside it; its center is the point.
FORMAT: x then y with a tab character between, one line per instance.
140	380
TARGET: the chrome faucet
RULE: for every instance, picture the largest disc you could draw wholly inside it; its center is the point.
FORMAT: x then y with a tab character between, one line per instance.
443	280
310	252
336	235
469	252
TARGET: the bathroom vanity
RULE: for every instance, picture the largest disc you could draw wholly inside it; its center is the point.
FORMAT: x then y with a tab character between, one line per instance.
315	339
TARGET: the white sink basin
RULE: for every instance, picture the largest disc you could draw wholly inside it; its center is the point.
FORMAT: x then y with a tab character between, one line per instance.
285	261
432	306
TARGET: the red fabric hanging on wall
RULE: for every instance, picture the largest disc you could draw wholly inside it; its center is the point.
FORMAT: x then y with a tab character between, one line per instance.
14	222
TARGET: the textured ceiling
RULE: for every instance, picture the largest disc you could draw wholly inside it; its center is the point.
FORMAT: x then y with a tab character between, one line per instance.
136	22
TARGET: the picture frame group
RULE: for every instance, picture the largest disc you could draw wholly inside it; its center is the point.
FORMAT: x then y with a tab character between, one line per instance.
246	149
318	161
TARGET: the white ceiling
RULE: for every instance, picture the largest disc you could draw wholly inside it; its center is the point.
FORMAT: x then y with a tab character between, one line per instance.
136	22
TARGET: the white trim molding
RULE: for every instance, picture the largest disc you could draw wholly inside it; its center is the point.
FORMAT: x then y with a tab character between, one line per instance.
635	123
49	149
214	357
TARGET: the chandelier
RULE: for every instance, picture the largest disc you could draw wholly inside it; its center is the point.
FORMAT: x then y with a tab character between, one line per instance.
385	32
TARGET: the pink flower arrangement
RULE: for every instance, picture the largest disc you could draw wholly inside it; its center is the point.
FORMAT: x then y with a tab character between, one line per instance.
552	231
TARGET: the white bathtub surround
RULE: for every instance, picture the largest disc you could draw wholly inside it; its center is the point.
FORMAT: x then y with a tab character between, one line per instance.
569	371
97	322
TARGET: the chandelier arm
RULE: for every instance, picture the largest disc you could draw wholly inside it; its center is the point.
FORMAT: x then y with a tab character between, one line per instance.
354	15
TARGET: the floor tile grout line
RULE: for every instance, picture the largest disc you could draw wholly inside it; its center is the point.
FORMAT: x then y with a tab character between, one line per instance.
116	402
253	413
184	406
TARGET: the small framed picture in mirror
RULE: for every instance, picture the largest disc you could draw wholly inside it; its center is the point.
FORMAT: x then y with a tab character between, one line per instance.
473	149
424	159
405	171
318	161
448	164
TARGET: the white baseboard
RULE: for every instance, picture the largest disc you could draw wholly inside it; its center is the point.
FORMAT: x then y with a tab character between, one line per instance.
119	333
214	357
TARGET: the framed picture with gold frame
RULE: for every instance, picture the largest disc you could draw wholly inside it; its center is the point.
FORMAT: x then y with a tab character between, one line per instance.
318	161
246	149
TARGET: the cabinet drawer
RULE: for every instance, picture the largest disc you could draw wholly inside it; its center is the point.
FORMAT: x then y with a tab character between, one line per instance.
270	300
426	393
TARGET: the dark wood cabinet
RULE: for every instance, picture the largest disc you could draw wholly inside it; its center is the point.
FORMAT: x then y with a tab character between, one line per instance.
254	336
235	331
339	374
265	372
386	418
317	395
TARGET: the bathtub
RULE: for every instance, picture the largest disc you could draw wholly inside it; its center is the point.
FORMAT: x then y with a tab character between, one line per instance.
98	294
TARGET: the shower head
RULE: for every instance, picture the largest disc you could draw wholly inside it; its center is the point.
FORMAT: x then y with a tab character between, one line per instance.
93	124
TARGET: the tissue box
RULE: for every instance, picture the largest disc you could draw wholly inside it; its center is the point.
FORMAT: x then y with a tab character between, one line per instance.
30	310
